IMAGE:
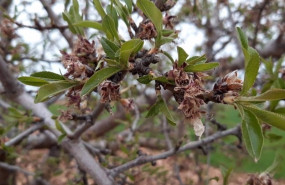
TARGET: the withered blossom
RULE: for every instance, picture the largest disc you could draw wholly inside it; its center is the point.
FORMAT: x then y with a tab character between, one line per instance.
65	116
146	30
77	63
189	87
7	29
109	91
230	82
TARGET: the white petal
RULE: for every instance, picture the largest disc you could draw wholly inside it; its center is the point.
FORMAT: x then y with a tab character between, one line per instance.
199	128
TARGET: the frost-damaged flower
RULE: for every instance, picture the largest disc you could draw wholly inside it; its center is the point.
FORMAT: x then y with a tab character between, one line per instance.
81	61
109	91
146	30
230	82
228	88
65	116
7	29
190	87
84	50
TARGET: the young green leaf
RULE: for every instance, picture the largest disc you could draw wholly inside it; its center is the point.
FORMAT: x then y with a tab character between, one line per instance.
89	24
270	95
33	81
49	76
128	49
97	78
113	13
164	79
164	109
252	135
271	118
152	12
194	60
109	47
61	137
201	67
49	90
161	106
122	11
109	28
242	38
251	70
59	127
67	18
99	8
155	108
182	55
146	79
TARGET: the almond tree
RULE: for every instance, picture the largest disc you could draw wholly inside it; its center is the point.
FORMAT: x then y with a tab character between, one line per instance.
135	79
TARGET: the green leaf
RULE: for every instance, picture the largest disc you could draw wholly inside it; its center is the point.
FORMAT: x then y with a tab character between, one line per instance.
164	109
129	4
182	55
89	24
146	79
194	60
226	172
161	40
251	70
112	11
109	48
270	95
273	137
59	127
155	108
242	38
271	118
61	137
168	56
164	79
49	90
99	8
252	135
33	81
128	49
122	11
161	106
67	18
201	67
152	12
97	78
109	28
47	75
280	110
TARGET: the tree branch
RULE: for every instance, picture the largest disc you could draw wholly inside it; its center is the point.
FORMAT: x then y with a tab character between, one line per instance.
24	134
74	147
145	159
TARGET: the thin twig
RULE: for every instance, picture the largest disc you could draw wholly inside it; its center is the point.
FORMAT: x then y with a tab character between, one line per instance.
24	134
145	159
90	120
15	168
